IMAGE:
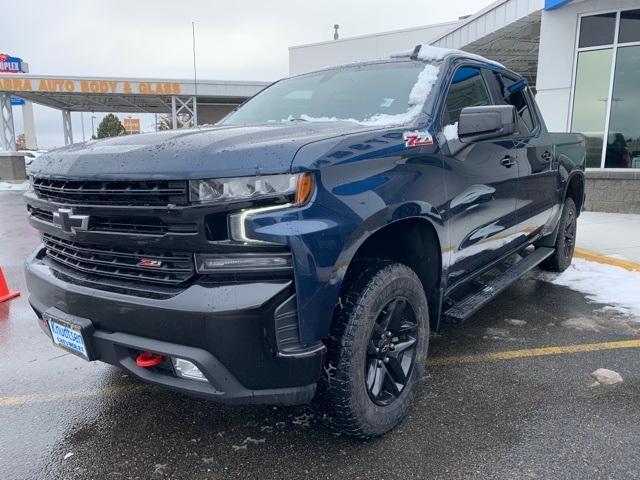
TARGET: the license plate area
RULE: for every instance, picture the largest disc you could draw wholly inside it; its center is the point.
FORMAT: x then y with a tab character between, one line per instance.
70	333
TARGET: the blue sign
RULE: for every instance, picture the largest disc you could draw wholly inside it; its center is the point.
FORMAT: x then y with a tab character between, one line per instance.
553	4
9	64
15	101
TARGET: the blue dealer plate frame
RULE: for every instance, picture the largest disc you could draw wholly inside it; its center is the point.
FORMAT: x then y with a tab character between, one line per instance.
67	335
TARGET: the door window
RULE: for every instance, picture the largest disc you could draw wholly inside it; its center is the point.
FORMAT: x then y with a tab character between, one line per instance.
517	95
467	89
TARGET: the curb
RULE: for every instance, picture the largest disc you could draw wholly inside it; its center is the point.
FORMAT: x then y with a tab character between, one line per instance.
599	258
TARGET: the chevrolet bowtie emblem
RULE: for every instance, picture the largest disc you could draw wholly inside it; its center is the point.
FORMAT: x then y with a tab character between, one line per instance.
68	222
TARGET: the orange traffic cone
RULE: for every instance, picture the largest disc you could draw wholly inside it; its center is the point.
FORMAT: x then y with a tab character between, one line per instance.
5	294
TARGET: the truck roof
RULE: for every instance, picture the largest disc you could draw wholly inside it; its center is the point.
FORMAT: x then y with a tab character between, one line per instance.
426	53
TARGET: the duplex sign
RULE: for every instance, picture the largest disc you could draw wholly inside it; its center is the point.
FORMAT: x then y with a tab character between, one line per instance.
9	64
79	85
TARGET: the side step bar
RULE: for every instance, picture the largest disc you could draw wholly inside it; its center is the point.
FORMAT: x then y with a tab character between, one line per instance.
464	308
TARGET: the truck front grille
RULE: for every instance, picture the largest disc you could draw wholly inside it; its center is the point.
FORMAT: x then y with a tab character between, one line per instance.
117	193
129	224
161	268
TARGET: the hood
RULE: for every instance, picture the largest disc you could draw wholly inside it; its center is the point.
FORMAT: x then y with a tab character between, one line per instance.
213	152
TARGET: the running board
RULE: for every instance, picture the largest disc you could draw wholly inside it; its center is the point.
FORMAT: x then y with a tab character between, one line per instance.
467	306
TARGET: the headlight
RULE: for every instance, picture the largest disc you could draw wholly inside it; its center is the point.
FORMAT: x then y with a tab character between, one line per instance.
295	188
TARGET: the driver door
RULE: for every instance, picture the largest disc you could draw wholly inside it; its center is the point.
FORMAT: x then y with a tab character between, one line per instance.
481	180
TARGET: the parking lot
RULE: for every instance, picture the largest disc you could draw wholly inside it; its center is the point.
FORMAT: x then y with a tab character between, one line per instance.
507	395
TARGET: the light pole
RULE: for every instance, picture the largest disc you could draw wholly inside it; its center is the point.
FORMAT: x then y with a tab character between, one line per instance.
93	129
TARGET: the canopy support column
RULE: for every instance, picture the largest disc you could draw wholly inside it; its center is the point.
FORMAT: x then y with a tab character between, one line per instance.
184	113
66	127
7	130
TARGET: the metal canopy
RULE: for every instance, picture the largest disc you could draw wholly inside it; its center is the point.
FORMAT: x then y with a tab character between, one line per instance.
515	46
119	95
82	102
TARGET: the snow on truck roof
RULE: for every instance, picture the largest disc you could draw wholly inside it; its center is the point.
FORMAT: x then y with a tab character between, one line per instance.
430	53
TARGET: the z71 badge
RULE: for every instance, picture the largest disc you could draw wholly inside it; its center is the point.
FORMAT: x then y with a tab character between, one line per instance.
417	139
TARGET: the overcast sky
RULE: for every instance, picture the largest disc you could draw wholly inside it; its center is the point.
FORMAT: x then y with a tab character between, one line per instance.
236	40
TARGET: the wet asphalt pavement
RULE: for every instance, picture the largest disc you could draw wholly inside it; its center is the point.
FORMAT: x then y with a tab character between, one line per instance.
534	417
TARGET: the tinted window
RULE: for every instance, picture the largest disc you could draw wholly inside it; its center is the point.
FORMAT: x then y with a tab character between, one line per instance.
629	26
515	93
467	89
597	30
359	93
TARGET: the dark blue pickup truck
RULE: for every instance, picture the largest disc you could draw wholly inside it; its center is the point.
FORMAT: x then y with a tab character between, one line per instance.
305	246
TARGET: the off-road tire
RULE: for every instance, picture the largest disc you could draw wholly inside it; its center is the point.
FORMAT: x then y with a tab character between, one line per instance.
343	396
562	255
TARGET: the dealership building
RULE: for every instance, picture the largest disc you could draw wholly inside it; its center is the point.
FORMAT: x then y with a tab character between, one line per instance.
581	58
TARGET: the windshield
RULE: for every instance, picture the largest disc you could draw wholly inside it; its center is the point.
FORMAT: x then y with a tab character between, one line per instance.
369	94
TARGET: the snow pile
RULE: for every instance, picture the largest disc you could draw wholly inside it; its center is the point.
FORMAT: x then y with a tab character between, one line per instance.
605	376
429	53
602	284
18	187
450	132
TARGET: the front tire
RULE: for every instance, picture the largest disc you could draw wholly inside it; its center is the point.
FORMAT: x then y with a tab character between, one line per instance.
565	244
377	349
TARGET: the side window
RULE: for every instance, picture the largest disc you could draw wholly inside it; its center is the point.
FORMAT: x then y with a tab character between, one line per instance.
517	95
467	89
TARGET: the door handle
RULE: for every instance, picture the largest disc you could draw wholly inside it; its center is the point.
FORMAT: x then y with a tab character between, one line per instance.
508	161
546	155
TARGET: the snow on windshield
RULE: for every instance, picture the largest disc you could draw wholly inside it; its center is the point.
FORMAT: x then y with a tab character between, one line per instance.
418	95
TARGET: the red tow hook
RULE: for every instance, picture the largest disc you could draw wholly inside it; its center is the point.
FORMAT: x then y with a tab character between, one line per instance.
148	359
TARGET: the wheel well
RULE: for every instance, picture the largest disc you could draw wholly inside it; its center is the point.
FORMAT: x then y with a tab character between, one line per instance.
413	242
575	190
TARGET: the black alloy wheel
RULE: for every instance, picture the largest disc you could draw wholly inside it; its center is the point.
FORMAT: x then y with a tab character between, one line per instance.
391	351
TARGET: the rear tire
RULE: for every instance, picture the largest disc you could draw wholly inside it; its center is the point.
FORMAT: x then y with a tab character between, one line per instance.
377	349
565	244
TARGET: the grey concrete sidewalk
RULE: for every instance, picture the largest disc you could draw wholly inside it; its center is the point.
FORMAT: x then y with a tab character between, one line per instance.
612	234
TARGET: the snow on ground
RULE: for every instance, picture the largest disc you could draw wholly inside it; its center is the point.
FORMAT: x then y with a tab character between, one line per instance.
602	283
20	187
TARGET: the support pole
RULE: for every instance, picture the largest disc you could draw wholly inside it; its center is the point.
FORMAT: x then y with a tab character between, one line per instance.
174	113
27	119
66	127
7	130
195	112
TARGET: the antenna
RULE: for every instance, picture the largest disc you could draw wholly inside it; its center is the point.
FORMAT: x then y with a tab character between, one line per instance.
195	76
335	34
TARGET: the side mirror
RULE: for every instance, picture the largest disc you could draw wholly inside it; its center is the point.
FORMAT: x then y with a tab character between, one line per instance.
486	122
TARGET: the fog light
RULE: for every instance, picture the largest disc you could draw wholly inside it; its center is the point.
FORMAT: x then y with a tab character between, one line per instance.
186	369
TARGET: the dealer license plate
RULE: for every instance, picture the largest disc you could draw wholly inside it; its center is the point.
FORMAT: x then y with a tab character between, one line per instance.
67	336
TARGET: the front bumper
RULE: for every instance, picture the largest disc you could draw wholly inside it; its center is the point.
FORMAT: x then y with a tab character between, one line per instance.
227	330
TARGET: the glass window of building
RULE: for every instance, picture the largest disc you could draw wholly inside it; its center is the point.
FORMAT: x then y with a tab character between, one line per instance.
629	26
623	140
597	30
590	100
606	92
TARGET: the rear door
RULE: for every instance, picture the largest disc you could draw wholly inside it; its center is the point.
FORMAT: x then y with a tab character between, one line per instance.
480	178
537	191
